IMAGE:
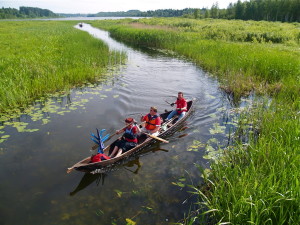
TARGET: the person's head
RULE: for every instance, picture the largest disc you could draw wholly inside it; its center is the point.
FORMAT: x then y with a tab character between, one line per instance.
129	120
180	95
153	110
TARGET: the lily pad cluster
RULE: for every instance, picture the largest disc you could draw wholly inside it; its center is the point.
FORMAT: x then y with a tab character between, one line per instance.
41	111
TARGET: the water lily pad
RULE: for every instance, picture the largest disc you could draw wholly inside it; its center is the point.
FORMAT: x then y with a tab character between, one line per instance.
217	129
119	193
130	222
195	146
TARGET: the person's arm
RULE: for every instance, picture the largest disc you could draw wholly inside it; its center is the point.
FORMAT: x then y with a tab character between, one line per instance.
119	131
184	106
143	119
158	123
138	130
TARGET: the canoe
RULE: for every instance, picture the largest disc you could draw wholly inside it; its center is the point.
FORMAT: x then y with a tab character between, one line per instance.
168	128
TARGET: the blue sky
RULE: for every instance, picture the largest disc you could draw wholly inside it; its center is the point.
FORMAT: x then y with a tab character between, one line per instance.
94	6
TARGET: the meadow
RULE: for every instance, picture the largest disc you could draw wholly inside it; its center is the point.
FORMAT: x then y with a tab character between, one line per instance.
42	57
257	181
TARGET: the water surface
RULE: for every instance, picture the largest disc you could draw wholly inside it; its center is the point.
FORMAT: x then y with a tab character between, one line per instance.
35	188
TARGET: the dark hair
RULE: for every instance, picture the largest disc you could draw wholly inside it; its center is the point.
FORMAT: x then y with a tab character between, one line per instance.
129	120
180	92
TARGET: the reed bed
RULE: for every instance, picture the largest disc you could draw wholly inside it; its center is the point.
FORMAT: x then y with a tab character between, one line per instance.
241	65
41	57
257	182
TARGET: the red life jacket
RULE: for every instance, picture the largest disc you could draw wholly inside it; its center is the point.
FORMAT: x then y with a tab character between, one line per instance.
151	121
99	157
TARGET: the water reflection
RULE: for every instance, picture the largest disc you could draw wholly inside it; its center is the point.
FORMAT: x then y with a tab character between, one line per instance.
133	165
87	180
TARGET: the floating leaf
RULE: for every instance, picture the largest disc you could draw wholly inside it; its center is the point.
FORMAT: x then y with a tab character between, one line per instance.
210	96
130	222
119	193
45	121
5	136
213	115
217	129
30	130
178	184
116	96
195	146
99	212
148	208
65	216
209	148
213	140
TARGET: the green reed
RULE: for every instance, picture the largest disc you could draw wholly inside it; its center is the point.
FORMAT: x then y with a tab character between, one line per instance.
40	57
257	182
242	64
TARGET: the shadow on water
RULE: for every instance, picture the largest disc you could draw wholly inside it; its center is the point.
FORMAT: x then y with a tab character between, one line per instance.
133	165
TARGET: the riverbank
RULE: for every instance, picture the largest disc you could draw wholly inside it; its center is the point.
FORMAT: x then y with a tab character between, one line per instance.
258	180
42	57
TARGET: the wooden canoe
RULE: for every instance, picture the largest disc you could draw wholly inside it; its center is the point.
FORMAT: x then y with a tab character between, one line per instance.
168	128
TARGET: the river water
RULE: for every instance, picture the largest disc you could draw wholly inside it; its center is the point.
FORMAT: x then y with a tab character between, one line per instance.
150	189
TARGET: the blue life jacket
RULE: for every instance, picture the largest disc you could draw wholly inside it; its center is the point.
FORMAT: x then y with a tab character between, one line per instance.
129	133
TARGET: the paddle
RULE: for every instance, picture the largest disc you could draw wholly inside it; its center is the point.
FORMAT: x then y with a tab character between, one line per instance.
158	138
96	146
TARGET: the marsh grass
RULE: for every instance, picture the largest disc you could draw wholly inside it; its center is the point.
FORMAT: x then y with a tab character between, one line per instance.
40	57
257	181
243	65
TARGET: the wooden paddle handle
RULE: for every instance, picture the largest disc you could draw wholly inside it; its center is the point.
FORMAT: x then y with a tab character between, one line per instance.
158	138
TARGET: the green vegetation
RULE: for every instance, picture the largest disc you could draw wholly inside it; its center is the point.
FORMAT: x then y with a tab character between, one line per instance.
242	54
269	10
253	182
149	13
25	12
41	57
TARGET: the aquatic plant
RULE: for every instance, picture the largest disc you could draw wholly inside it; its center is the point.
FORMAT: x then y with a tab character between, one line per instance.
255	179
41	57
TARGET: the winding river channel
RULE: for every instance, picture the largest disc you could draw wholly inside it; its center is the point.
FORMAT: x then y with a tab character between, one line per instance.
55	133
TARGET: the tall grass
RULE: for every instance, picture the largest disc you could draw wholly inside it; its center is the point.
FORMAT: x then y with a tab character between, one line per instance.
257	182
40	57
241	65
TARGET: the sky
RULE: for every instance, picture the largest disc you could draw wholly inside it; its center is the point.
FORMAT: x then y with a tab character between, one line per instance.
94	6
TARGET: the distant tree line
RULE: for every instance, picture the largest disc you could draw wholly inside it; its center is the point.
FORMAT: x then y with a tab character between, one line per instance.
269	10
25	12
150	13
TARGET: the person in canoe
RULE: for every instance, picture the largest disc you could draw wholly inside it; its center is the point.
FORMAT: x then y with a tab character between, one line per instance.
128	140
152	122
181	107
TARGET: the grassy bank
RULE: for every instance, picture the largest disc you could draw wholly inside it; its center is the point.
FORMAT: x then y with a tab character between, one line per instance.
258	182
40	57
242	54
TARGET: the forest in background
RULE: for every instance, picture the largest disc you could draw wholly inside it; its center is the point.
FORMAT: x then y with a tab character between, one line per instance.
269	10
25	12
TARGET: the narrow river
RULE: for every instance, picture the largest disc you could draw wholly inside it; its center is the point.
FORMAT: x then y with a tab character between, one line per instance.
35	188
